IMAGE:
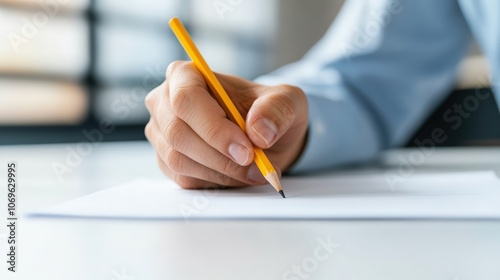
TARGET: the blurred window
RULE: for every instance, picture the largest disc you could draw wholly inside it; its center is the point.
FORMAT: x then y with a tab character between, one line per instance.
69	65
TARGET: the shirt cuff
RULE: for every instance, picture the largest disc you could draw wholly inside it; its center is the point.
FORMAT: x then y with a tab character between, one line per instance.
340	133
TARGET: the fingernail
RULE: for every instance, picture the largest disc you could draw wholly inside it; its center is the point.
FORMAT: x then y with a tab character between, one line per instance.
239	153
255	175
265	129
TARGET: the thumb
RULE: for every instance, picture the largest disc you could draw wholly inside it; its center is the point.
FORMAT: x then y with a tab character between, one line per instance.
272	114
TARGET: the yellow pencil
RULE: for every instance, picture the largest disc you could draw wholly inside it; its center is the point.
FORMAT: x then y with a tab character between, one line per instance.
234	115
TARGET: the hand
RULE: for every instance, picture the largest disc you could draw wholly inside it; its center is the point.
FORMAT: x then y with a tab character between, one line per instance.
198	147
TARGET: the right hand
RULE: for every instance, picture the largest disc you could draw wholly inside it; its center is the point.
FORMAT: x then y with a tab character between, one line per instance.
198	147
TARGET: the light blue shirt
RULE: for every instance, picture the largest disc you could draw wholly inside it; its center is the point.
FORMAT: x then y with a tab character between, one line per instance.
381	69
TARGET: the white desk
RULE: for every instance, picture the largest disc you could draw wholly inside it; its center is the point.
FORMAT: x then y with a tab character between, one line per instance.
142	250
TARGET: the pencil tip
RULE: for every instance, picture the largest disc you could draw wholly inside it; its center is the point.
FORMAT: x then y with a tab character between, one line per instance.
273	179
282	193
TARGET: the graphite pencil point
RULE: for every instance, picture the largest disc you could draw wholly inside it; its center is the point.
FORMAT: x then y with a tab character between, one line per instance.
282	193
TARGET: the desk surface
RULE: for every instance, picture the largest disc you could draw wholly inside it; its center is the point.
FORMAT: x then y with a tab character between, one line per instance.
126	250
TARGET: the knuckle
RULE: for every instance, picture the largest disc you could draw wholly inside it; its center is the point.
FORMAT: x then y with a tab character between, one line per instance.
285	106
173	67
173	160
298	95
149	100
226	172
289	88
148	131
174	131
159	161
180	100
163	166
187	182
230	168
212	132
160	146
291	91
221	179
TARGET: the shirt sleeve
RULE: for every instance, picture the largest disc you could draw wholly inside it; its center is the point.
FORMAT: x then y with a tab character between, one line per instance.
379	71
483	17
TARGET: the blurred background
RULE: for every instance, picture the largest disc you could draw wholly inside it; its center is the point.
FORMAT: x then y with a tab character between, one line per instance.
70	67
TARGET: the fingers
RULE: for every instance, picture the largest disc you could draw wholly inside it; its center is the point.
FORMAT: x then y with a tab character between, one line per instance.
185	154
271	115
185	182
198	176
199	147
192	103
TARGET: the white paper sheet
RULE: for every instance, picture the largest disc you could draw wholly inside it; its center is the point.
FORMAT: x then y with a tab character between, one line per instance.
444	195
